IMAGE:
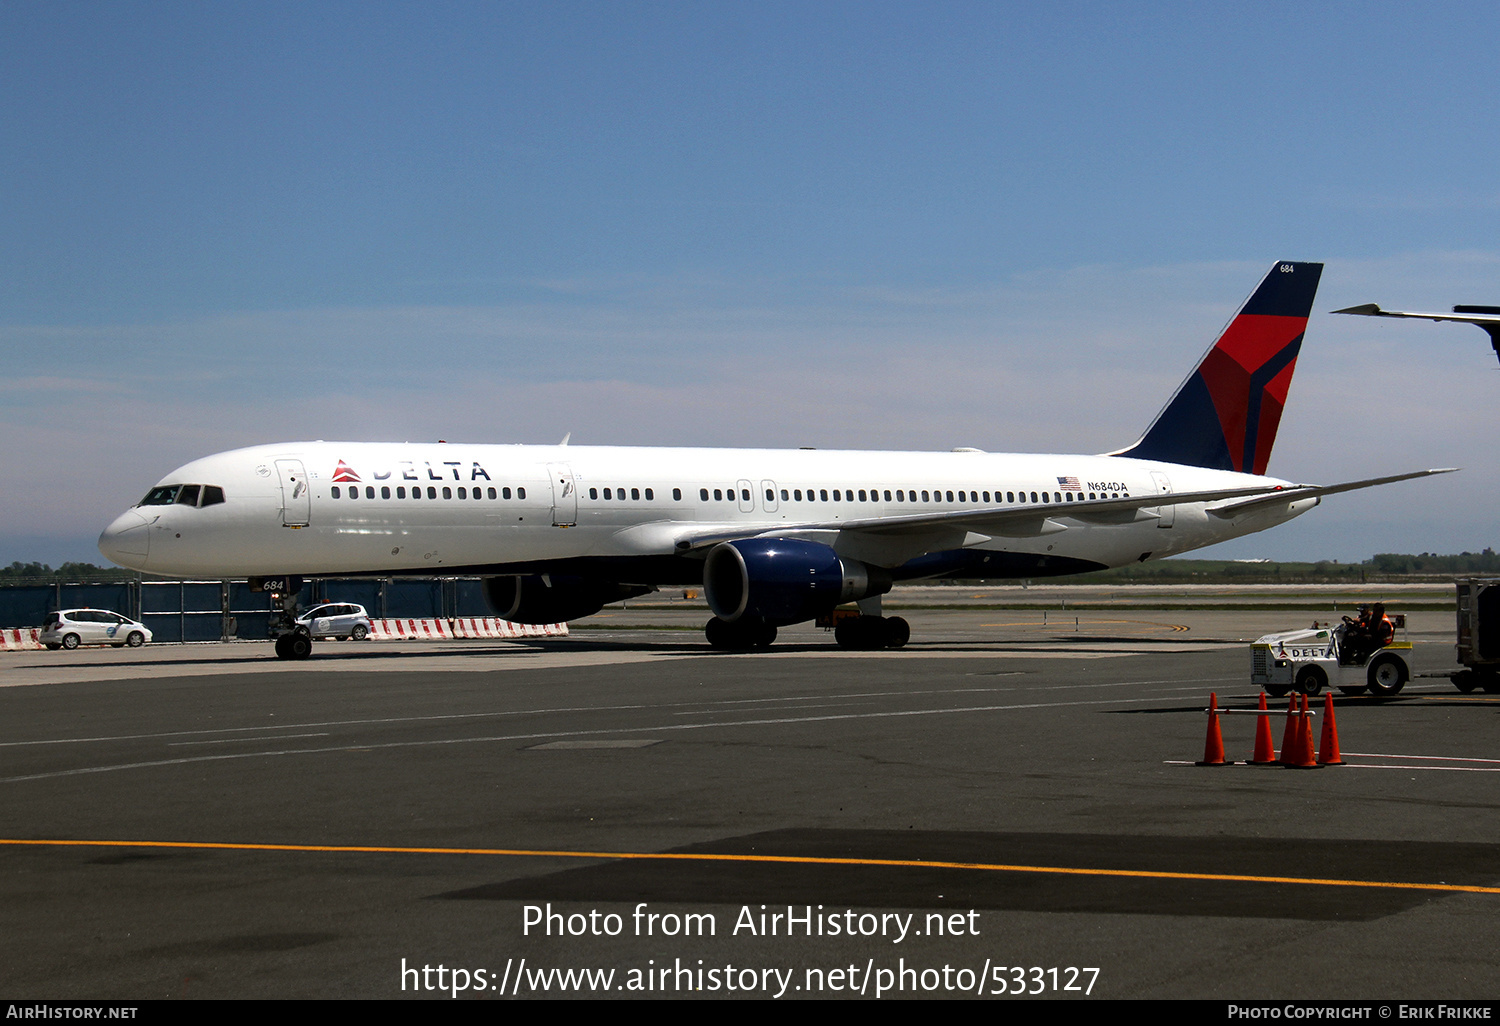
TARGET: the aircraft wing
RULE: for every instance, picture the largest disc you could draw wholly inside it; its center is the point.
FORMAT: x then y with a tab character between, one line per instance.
1039	518
1486	317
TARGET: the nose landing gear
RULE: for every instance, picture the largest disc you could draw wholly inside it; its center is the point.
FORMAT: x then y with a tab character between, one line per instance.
296	645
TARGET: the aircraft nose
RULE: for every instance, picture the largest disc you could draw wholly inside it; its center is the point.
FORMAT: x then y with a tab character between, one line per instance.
126	541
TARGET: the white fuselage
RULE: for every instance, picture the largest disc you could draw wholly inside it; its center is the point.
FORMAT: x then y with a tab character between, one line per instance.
351	508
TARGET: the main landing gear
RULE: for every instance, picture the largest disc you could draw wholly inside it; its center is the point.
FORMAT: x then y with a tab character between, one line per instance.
872	632
864	633
739	635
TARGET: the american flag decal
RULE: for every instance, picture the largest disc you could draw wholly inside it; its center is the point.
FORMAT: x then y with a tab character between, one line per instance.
1069	484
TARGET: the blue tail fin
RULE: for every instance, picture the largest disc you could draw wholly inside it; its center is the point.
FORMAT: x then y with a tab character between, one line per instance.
1225	415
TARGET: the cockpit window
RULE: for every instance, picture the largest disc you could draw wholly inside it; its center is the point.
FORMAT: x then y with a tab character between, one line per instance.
184	495
164	495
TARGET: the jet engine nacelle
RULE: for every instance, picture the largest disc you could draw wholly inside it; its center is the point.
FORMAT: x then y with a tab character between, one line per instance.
550	598
784	580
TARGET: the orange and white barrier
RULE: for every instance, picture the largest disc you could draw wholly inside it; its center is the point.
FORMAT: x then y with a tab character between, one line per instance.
464	627
19	639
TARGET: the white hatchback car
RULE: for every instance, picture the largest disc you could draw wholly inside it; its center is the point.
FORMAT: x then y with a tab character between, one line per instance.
69	628
341	620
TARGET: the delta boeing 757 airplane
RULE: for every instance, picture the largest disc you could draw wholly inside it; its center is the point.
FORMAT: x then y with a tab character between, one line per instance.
775	537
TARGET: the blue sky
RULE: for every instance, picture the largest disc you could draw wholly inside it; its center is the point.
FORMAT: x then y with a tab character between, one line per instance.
866	225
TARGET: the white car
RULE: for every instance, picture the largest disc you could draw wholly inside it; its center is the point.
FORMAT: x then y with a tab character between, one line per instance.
69	628
341	620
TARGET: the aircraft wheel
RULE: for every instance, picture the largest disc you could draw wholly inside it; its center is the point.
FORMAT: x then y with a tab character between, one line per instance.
1387	676
1277	690
1311	681
282	652
136	639
53	647
729	637
299	646
861	633
70	641
896	632
1358	689
1466	681
765	635
1490	682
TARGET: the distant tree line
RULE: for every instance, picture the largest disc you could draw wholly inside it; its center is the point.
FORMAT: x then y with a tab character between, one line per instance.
68	573
1462	565
1384	566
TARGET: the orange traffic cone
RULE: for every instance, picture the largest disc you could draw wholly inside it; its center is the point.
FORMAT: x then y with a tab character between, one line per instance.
1265	751
1328	747
1302	755
1289	732
1213	747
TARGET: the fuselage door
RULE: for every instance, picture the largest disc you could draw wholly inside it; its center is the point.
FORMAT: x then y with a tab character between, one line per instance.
1168	514
564	495
296	494
768	489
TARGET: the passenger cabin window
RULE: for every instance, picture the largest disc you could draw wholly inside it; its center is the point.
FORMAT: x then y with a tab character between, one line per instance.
677	494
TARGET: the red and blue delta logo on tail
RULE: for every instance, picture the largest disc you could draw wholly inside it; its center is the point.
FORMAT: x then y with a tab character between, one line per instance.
1225	415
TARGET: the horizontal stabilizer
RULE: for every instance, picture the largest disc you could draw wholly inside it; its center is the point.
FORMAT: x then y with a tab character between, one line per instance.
1486	318
1298	492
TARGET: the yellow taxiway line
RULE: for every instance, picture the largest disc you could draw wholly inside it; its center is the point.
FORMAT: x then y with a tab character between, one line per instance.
774	859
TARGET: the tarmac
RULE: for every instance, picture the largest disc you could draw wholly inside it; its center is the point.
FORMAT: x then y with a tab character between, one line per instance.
1009	803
